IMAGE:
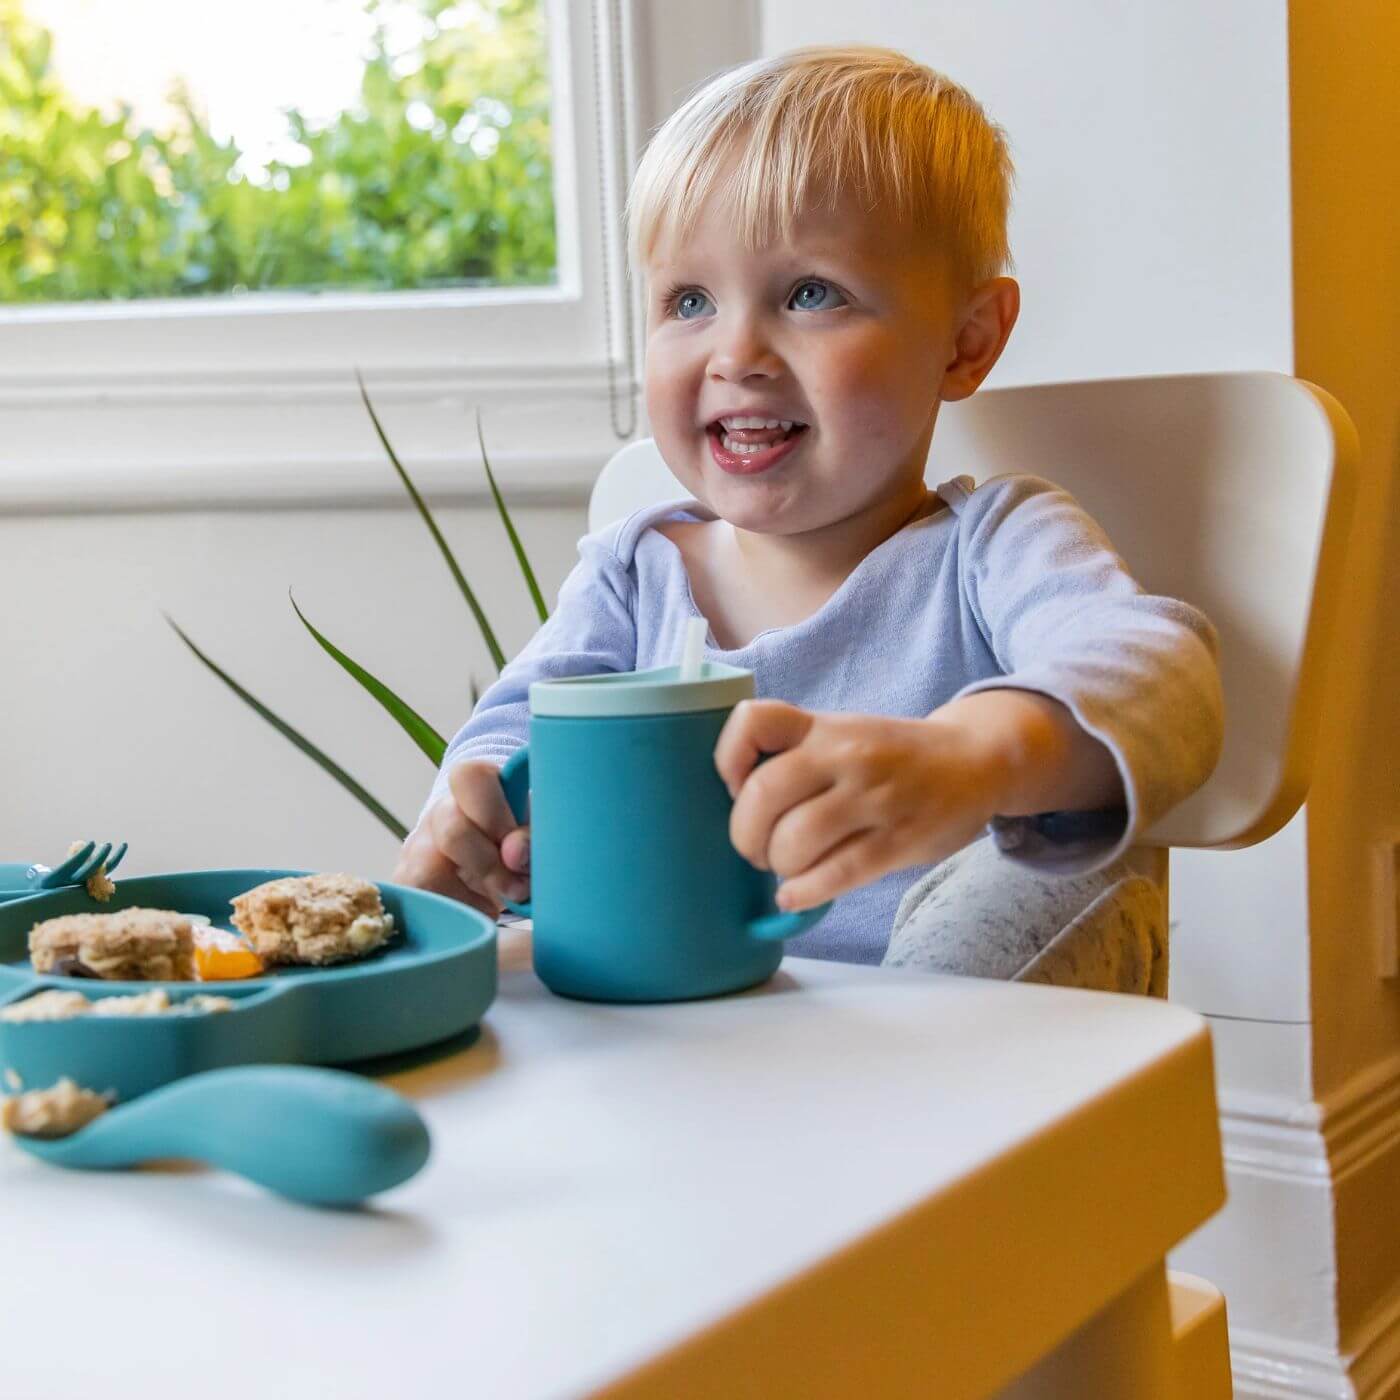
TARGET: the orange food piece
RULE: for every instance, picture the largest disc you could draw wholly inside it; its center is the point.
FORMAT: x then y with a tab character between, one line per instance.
224	957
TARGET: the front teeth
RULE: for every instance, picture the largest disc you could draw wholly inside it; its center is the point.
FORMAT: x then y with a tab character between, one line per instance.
744	449
727	423
748	449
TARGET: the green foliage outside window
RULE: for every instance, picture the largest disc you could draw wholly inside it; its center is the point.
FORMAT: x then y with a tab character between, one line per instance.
439	175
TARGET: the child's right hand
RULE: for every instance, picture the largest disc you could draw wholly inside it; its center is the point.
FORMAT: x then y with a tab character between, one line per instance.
468	844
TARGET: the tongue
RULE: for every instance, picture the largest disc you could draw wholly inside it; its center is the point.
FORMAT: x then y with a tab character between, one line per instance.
757	436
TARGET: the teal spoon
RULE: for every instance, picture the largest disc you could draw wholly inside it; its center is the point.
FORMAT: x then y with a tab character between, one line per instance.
319	1136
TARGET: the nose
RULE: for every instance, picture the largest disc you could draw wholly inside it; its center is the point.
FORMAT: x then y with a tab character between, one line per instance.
742	350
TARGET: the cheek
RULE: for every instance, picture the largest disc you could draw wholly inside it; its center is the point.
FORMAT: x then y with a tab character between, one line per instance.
666	386
878	391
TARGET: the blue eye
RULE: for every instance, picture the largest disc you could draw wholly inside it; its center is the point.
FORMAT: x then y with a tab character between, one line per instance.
822	301
687	305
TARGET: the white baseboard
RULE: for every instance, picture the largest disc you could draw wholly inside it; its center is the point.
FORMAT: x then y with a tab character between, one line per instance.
1293	1170
1272	1368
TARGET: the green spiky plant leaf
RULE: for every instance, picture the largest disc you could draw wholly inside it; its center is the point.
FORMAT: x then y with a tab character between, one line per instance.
488	635
410	721
419	730
318	756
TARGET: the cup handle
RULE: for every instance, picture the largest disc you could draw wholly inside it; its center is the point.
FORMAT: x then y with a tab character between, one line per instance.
772	927
515	783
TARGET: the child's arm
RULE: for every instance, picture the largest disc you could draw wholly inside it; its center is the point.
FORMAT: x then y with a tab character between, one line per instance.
1109	697
466	843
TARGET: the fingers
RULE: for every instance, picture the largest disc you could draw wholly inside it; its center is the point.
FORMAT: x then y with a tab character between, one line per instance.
476	788
858	859
473	854
515	850
466	839
769	792
804	834
422	866
757	727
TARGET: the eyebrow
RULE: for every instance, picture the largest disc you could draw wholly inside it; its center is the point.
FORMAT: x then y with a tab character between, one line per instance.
842	255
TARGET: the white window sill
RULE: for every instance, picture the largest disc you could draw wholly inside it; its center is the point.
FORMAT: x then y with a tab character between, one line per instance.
249	439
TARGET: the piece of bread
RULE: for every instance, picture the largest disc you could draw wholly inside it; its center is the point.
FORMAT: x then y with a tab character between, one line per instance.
130	945
313	919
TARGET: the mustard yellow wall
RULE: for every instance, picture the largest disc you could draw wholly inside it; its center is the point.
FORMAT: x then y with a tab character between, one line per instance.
1345	128
1345	120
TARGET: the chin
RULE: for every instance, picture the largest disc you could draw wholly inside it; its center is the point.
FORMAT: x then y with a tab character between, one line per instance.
760	509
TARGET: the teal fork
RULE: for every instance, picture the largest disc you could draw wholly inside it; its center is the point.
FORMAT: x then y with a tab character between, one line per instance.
76	869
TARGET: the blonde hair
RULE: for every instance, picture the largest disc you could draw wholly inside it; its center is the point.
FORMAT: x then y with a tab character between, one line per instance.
860	120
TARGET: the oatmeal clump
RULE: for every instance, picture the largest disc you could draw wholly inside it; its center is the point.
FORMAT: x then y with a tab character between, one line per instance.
314	919
52	1113
131	945
47	1006
54	1005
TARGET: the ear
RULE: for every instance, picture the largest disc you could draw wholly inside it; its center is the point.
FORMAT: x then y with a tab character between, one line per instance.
987	318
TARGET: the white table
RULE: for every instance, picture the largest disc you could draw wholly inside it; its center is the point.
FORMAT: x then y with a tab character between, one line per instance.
851	1182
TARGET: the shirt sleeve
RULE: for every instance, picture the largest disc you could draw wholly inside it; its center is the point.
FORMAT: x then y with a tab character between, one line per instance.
592	630
1064	617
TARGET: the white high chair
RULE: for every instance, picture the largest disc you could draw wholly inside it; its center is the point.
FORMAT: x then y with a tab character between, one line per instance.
1233	492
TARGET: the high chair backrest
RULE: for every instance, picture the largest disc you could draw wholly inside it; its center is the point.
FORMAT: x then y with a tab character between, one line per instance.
1231	491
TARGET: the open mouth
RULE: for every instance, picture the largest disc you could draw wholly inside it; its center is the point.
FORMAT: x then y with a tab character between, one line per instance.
743	451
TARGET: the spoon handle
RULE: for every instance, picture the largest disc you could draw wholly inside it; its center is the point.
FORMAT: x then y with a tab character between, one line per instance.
319	1136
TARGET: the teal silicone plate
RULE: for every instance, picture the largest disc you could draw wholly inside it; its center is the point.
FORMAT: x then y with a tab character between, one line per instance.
433	981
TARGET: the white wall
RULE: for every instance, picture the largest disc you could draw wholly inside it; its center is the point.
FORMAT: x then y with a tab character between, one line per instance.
113	730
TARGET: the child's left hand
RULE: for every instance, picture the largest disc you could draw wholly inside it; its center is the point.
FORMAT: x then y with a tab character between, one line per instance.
848	798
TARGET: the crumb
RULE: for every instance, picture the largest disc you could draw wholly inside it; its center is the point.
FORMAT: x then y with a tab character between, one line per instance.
157	1003
130	945
152	1003
47	1006
53	1113
199	1005
99	884
64	1006
13	1082
313	919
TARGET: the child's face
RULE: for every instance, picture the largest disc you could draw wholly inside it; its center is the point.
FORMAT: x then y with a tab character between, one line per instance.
847	332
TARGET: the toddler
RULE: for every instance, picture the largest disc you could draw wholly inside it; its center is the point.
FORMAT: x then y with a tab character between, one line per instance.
823	242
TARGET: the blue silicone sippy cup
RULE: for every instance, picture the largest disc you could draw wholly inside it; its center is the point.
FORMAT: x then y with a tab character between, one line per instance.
637	893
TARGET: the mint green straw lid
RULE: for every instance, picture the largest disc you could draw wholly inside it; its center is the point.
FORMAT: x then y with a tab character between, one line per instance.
656	692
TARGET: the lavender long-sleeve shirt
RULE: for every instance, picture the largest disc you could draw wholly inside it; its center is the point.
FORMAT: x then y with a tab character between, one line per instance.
1013	586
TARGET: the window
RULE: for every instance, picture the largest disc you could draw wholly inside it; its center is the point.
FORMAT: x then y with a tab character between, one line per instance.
280	144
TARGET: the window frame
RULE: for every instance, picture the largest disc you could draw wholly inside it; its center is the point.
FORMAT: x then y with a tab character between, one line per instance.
253	398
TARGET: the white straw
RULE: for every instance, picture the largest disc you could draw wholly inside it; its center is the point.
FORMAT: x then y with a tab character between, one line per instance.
694	651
